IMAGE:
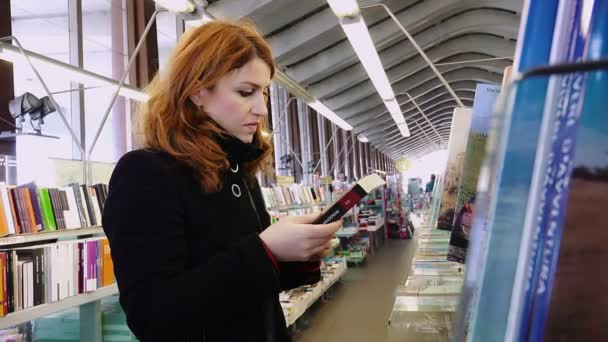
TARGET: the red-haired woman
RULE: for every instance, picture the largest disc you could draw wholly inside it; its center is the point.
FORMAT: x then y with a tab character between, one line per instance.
195	256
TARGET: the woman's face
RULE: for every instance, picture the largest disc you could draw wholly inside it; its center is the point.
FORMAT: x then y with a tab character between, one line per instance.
238	101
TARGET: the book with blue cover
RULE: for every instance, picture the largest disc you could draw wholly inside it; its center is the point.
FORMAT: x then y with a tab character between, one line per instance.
570	302
511	173
561	104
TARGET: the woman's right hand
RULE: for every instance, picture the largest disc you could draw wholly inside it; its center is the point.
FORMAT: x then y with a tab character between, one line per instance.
295	238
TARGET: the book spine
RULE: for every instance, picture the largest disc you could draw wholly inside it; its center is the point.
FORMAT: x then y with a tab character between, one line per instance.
28	203
33	193
89	203
569	43
511	171
342	206
79	205
4	275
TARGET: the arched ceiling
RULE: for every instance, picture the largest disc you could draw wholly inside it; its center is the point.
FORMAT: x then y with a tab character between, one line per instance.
311	49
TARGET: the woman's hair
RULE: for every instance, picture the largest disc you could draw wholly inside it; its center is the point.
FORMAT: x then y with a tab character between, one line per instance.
172	123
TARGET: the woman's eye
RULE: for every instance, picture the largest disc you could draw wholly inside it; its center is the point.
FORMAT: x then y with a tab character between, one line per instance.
244	93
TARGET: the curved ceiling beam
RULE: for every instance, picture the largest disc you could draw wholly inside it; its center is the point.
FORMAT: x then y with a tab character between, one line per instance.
341	56
407	105
389	130
366	89
375	133
414	143
463	74
363	108
319	31
392	141
412	113
482	44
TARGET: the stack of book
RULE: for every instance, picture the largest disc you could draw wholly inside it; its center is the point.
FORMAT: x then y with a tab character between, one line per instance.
29	209
40	274
425	306
292	195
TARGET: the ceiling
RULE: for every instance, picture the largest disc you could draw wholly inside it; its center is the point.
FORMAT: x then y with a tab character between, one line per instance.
311	48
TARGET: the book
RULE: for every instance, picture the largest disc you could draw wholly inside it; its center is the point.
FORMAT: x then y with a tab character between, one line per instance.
560	108
512	168
350	198
570	301
7	209
58	208
3	284
20	210
47	210
89	205
80	205
72	216
13	207
4	225
32	190
95	204
107	266
29	209
483	105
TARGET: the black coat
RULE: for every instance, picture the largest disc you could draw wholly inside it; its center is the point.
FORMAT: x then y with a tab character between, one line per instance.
190	265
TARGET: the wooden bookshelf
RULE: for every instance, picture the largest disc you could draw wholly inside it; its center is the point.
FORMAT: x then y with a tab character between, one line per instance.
44	236
39	311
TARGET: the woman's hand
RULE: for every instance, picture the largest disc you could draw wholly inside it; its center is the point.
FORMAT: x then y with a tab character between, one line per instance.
295	238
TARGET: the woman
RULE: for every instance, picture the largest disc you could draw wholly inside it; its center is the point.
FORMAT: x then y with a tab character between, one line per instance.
194	255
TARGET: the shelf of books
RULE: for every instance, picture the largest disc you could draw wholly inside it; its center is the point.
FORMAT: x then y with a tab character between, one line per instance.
296	302
54	253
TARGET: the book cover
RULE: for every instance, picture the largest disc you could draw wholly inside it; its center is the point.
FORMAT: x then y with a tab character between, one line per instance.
5	230
91	266
10	275
58	208
35	206
14	212
562	100
20	210
570	301
72	217
95	204
3	285
350	198
483	105
29	208
6	205
81	267
80	206
108	266
459	132
512	168
89	204
101	196
47	210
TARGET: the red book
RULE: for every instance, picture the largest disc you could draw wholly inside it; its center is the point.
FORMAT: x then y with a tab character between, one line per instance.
351	198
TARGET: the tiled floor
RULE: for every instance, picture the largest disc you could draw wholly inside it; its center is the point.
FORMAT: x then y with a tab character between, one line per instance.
362	302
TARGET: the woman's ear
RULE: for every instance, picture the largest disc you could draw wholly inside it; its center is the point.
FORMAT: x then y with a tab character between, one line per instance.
200	98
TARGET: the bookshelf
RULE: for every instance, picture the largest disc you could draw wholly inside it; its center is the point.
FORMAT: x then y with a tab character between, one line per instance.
55	235
39	311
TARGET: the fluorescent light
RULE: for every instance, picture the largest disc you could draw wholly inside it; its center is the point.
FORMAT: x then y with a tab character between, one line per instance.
363	139
177	6
395	110
405	132
362	43
10	53
358	35
330	115
344	8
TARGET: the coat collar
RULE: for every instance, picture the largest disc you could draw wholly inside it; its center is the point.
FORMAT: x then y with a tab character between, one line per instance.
239	151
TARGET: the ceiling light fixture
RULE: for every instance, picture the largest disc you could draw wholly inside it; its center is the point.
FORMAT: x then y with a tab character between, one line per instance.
329	114
358	35
362	139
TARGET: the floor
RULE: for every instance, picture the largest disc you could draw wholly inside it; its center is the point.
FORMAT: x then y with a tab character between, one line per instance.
361	303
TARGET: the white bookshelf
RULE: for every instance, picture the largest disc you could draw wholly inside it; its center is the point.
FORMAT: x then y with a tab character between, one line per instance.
39	311
43	236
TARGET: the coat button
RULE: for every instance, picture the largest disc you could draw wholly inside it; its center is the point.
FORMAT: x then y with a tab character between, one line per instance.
236	168
236	190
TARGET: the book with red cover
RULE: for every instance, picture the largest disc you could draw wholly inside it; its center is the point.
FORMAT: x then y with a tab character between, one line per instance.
353	196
